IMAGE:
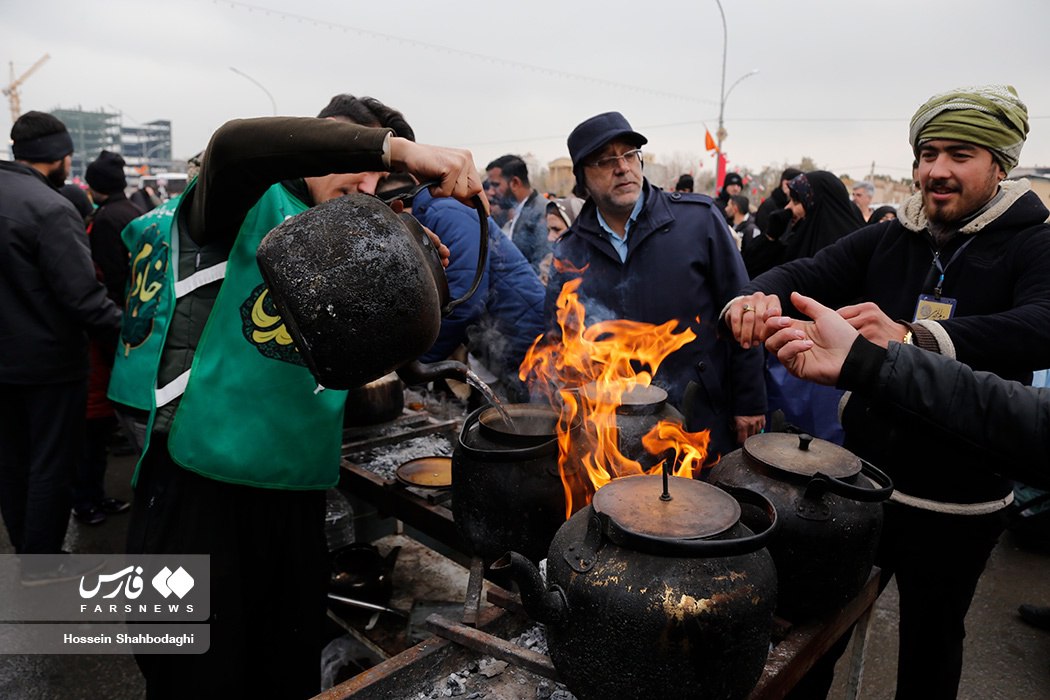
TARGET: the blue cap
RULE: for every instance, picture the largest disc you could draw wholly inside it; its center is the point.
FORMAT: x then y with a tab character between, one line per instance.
593	134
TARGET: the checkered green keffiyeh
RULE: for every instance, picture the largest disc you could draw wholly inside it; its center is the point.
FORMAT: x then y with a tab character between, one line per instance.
989	115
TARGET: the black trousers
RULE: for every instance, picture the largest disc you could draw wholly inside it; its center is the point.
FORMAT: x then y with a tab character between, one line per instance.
41	432
937	560
89	486
269	576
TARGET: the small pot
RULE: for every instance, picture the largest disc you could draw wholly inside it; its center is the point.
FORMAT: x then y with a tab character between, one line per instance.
359	571
376	402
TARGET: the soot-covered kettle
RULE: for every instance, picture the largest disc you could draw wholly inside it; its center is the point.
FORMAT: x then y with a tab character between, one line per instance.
362	290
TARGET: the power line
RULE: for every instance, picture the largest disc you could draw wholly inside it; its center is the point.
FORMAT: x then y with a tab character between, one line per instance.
450	50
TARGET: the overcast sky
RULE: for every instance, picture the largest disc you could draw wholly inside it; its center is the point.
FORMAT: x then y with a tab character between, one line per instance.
837	81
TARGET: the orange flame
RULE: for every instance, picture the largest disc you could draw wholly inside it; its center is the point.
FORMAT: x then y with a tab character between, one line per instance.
585	376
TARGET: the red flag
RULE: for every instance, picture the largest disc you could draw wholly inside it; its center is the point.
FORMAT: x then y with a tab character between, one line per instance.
709	142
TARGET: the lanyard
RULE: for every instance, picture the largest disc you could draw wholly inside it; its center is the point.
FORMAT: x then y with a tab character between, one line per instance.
938	269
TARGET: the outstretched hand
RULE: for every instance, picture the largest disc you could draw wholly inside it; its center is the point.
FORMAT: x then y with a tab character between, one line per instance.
813	350
452	167
872	323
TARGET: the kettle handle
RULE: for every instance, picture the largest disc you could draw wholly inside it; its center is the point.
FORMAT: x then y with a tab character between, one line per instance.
822	482
483	254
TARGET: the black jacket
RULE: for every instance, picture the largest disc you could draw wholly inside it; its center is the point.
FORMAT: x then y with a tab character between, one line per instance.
49	294
682	264
1001	282
107	249
1009	423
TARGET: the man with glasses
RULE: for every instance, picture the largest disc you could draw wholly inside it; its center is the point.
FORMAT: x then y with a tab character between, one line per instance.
647	255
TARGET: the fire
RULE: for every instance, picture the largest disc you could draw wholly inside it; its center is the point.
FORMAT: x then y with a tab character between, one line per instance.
586	376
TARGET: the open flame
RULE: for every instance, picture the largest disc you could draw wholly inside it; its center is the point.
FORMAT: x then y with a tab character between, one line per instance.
586	375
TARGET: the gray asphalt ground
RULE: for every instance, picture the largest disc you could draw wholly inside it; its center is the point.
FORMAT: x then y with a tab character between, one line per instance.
1005	658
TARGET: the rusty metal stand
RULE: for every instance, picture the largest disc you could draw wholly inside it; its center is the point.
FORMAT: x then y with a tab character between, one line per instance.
472	605
493	646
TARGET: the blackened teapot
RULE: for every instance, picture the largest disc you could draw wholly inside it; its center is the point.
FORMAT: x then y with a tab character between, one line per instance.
362	290
830	507
654	597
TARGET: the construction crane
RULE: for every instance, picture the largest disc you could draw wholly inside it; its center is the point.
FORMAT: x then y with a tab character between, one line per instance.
11	91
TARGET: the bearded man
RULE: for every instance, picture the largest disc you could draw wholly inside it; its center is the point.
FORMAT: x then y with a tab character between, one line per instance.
49	299
964	272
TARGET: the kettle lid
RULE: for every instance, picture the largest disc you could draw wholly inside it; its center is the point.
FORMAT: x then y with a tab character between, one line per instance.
638	400
695	510
802	454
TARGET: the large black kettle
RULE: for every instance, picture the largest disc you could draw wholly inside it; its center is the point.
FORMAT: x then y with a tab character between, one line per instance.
830	506
361	290
652	595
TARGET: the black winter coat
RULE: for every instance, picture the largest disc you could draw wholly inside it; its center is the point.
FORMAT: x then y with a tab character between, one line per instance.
1007	421
107	249
49	294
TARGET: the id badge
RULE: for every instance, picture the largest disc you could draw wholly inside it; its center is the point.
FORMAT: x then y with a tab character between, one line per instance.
934	309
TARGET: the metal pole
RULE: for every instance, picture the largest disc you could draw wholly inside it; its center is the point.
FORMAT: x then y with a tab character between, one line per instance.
722	95
273	103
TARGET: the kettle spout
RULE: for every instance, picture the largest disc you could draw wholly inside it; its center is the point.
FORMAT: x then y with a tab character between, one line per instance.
546	605
416	372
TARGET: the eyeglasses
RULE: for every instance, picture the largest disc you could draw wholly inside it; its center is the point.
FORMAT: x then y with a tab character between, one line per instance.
610	162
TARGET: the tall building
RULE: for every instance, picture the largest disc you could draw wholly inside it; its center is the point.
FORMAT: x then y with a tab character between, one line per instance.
145	147
91	132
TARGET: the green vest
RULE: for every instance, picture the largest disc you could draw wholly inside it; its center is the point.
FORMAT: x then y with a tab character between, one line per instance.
148	303
251	412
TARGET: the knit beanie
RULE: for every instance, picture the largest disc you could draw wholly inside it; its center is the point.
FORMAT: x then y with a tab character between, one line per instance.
105	174
991	116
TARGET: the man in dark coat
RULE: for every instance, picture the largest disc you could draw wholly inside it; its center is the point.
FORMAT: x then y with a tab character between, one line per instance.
49	297
964	272
733	184
652	256
528	228
106	181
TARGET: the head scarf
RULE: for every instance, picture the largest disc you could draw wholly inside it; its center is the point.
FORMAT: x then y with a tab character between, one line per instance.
882	211
991	116
830	214
567	208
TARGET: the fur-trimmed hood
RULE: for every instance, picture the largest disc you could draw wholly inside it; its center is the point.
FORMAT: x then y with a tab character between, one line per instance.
913	217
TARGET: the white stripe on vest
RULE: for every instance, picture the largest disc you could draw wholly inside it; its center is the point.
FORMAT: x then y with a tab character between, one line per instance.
175	388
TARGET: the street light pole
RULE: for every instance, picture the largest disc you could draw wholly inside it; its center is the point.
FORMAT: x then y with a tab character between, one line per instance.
721	133
273	103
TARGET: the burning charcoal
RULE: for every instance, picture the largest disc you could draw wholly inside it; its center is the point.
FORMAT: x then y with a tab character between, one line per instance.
491	667
455	685
543	690
534	638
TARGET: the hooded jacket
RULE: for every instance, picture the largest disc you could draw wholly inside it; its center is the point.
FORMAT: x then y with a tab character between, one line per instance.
1001	324
505	314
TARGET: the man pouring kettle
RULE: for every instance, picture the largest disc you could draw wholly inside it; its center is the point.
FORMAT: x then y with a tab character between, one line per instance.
241	446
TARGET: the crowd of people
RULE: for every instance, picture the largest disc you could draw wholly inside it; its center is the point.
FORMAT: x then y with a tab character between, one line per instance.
132	315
